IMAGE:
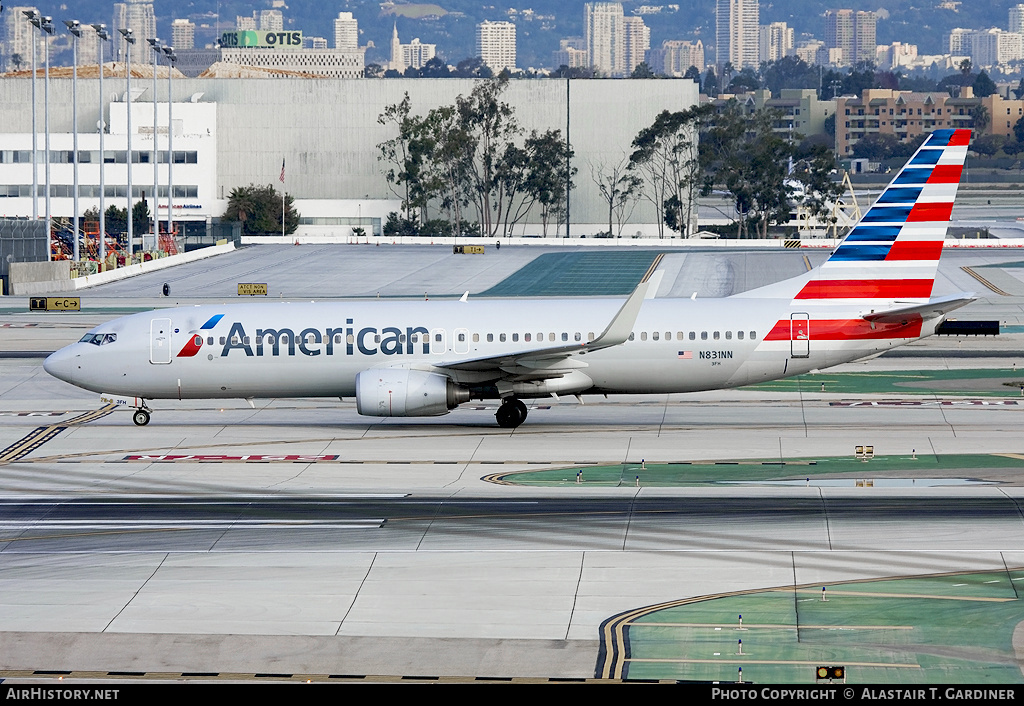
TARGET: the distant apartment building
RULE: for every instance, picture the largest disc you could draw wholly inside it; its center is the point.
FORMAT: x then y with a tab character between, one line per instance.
615	44
852	32
19	36
264	20
346	32
637	41
414	54
1016	23
800	111
775	41
995	47
812	51
737	33
895	56
183	35
271	20
605	39
138	16
676	56
958	41
908	115
496	45
571	53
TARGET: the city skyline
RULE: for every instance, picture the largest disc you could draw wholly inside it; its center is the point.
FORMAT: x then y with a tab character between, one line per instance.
993	46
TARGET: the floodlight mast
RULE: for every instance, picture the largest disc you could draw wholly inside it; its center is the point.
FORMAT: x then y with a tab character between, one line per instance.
129	38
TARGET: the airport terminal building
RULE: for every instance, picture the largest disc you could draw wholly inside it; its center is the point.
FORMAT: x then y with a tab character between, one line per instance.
234	132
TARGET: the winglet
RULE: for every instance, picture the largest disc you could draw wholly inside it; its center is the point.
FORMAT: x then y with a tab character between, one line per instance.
621	326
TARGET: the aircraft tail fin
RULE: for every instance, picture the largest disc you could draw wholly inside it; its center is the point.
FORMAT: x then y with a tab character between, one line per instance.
892	254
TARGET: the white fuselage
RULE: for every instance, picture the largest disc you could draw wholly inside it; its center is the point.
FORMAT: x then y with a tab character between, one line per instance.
317	349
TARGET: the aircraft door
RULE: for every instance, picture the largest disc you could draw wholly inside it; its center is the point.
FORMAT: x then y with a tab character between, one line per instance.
437	342
800	335
160	341
460	340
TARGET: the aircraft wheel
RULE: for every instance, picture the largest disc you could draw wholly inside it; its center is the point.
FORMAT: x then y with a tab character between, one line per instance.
141	417
511	414
521	406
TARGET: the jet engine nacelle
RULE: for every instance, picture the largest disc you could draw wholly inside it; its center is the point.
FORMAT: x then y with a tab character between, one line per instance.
401	392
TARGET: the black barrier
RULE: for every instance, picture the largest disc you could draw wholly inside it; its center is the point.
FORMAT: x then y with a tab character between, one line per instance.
968	328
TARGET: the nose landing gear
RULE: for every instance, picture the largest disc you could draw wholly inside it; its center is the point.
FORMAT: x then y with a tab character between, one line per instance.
511	413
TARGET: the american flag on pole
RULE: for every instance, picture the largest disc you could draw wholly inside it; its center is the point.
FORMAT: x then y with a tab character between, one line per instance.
282	170
685	355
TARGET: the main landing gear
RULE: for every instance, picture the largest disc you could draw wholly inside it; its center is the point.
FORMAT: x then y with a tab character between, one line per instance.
141	416
511	413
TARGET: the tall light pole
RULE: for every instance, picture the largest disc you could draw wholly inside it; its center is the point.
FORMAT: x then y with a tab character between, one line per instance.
45	26
154	43
171	59
31	16
129	39
75	28
101	30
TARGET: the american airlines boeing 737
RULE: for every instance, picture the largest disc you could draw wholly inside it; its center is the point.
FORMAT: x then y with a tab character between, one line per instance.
424	358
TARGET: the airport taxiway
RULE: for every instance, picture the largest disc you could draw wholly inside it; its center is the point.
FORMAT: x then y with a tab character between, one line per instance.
298	537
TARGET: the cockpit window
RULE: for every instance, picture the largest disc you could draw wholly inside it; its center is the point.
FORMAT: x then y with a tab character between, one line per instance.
99	339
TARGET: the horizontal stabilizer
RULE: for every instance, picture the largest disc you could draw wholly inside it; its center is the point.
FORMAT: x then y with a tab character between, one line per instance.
930	309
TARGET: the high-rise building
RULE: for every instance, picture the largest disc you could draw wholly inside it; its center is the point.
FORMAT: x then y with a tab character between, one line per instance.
737	33
89	48
812	51
605	40
414	54
346	32
138	16
265	20
571	53
1017	19
676	56
958	41
18	41
496	45
776	41
853	33
637	41
994	47
183	35
271	20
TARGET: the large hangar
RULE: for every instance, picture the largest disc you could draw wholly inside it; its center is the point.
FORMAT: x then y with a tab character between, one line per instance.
326	130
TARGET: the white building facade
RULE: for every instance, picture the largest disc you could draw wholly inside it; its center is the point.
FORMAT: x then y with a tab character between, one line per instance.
193	160
325	130
496	45
737	33
605	37
346	32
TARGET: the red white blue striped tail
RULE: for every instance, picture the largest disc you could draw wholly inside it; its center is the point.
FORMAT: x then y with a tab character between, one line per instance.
892	254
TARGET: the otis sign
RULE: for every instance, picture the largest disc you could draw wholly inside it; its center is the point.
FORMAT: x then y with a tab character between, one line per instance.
259	38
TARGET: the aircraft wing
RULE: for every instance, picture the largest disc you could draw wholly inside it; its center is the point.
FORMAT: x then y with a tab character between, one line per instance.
555	361
928	310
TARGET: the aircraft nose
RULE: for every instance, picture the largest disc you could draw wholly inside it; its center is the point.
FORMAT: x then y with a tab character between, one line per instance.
61	364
